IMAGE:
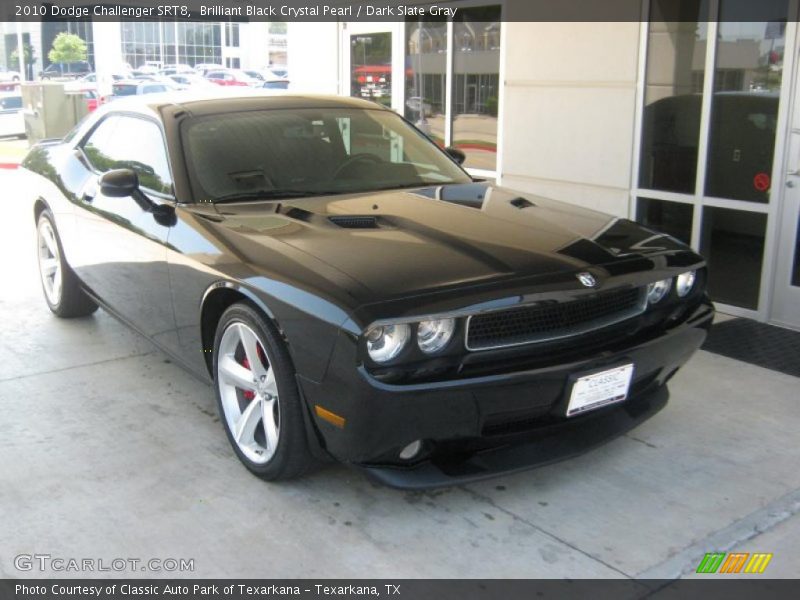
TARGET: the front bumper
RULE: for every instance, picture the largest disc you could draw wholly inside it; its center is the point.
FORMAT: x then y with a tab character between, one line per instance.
483	426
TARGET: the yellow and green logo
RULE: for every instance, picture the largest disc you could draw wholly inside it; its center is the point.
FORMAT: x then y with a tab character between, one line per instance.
734	562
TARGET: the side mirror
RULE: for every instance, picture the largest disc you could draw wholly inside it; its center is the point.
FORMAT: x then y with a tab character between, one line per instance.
456	154
119	183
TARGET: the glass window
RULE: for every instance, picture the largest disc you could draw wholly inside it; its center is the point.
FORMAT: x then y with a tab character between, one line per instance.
311	151
371	67
744	114
676	49
426	74
10	102
673	218
476	85
733	244
796	269
131	143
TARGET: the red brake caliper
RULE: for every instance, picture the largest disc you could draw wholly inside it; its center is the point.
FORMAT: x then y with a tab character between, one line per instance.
248	394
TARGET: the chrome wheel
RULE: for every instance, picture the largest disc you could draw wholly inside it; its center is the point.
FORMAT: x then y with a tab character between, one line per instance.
248	392
50	262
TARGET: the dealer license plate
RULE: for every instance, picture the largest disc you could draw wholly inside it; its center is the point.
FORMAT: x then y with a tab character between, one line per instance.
599	389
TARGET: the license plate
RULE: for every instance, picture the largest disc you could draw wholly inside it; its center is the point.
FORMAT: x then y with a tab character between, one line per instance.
599	389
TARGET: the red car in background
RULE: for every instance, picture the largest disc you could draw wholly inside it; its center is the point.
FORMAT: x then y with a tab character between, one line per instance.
92	99
231	77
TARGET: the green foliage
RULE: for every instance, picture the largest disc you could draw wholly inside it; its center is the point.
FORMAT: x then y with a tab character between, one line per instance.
68	48
28	54
491	105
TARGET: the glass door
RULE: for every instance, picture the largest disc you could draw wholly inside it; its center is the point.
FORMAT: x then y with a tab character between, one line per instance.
713	114
786	290
368	63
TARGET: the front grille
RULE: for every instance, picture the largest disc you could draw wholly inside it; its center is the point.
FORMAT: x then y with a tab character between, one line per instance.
552	320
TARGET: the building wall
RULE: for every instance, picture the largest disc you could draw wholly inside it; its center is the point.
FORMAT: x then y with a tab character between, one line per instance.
569	111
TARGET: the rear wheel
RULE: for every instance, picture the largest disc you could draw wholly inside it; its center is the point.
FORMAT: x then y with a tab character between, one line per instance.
61	287
257	396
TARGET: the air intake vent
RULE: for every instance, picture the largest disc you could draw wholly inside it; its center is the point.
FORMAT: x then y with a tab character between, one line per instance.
355	222
522	203
298	213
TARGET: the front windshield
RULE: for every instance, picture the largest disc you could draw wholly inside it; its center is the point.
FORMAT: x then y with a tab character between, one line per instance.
310	151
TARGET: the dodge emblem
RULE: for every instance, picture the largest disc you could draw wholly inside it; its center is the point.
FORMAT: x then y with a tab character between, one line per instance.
587	279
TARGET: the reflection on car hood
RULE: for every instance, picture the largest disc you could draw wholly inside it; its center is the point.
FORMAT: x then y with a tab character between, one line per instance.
398	242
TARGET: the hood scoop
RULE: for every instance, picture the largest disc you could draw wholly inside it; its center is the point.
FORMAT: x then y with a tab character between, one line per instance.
355	222
522	203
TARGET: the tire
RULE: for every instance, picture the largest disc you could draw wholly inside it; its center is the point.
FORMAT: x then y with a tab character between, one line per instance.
61	287
259	407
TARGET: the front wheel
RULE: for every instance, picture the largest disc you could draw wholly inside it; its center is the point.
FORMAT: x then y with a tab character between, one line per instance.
257	396
61	287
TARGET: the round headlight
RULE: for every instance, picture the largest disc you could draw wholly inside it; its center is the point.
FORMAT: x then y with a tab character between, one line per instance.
685	282
433	335
656	291
385	342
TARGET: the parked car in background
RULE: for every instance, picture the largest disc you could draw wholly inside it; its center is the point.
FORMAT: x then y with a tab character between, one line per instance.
231	77
12	120
92	98
276	84
203	68
7	75
89	82
176	69
191	80
351	292
71	70
267	79
135	87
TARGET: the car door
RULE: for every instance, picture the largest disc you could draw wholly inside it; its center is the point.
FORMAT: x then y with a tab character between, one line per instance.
123	257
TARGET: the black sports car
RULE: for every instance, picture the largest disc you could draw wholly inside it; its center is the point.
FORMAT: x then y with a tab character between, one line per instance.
353	293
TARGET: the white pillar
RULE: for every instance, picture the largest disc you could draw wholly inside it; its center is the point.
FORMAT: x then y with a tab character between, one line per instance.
107	53
313	51
23	75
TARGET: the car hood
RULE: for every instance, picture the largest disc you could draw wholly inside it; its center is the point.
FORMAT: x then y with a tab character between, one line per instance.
392	244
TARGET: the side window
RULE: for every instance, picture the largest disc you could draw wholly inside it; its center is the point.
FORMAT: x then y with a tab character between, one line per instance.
98	148
122	142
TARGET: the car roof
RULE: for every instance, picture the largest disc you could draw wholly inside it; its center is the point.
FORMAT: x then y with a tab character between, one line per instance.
208	102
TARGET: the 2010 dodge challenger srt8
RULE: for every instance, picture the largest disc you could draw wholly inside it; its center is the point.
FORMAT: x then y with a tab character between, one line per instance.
353	293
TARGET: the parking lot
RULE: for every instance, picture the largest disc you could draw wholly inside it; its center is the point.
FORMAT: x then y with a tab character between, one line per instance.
111	451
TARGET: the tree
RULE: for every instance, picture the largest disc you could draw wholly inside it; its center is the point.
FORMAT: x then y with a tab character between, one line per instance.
68	48
28	54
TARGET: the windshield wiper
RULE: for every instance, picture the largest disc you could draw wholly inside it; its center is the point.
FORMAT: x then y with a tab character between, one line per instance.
264	195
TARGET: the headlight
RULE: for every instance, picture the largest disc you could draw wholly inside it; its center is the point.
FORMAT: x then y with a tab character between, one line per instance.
385	342
685	282
434	335
656	291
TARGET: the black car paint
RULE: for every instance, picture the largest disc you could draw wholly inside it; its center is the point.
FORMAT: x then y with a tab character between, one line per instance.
461	248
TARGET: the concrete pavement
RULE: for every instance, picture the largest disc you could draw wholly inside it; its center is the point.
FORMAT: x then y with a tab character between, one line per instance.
109	450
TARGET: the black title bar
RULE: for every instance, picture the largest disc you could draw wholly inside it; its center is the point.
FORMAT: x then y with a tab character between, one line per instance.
378	10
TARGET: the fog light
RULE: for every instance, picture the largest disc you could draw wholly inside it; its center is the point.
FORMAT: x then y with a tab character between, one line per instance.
684	283
411	450
656	291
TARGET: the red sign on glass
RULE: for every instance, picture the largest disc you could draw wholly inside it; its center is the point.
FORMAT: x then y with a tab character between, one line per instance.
761	182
